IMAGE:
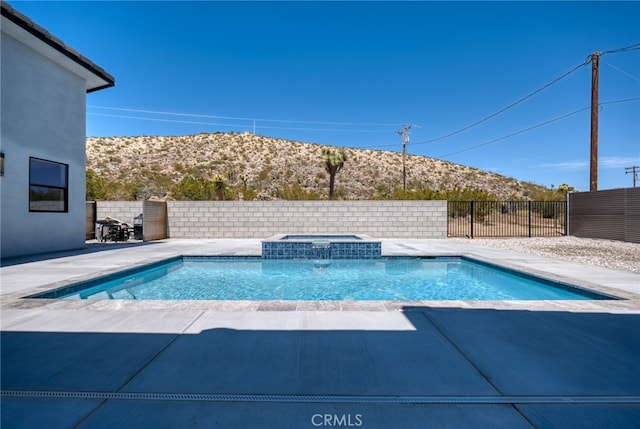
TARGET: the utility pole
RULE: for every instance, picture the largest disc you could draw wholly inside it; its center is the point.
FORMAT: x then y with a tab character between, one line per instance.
634	171
593	171
404	132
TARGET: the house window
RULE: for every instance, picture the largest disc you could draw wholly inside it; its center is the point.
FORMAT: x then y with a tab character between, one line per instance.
48	186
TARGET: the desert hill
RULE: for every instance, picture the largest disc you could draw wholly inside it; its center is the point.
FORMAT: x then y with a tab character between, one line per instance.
256	167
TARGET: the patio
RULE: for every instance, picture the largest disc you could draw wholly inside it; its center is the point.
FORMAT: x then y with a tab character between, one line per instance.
301	364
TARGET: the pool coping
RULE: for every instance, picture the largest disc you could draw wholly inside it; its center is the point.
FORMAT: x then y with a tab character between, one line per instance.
627	301
359	238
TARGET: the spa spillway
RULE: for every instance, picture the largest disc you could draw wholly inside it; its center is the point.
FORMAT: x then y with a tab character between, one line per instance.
325	246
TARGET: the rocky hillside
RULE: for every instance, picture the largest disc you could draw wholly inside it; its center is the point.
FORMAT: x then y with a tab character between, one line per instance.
267	166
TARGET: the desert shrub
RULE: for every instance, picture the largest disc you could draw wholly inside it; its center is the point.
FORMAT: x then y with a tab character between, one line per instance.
296	192
96	186
194	189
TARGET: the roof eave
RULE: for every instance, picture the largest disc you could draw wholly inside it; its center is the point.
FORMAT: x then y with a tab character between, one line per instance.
43	35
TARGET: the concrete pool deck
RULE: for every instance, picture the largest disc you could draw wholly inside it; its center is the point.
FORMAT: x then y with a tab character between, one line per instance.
305	364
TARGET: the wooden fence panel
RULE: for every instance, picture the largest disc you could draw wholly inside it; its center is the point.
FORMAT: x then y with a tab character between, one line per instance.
90	220
612	214
632	216
154	220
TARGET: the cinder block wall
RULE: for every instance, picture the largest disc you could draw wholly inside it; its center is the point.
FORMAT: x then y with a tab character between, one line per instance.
124	211
261	219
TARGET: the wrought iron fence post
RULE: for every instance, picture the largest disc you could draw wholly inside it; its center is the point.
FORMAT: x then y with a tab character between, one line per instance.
567	207
472	210
529	218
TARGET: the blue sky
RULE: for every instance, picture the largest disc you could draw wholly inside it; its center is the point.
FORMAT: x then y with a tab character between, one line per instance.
351	74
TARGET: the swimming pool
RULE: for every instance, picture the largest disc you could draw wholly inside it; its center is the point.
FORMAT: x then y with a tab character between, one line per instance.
387	279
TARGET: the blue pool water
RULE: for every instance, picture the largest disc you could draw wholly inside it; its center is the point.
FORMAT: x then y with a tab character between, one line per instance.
389	279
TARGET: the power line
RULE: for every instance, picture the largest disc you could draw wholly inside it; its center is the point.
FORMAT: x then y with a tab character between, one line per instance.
344	130
526	129
493	115
163	120
587	61
195	115
633	47
535	126
624	100
504	109
621	71
239	126
515	133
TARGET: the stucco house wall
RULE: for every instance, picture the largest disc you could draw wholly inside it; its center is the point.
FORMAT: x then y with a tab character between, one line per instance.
43	111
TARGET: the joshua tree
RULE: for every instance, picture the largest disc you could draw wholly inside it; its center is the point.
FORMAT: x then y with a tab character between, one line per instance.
219	185
333	163
244	178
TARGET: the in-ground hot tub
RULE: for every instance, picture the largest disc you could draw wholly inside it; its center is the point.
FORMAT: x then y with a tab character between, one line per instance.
321	246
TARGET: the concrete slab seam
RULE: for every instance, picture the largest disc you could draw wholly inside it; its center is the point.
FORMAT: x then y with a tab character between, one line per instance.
373	399
459	350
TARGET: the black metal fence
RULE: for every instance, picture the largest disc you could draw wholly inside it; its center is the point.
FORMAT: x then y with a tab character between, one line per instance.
506	218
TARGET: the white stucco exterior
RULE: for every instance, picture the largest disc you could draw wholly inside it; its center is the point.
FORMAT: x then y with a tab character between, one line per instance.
43	111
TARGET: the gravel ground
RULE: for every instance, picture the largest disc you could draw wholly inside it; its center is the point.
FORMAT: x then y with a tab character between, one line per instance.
618	255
